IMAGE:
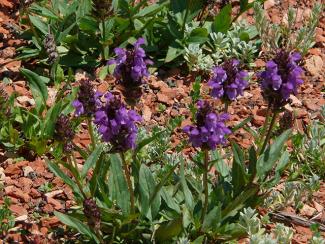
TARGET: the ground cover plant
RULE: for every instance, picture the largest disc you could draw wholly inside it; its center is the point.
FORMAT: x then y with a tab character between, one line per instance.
91	69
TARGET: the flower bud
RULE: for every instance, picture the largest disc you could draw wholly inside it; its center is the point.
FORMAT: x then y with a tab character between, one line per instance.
50	48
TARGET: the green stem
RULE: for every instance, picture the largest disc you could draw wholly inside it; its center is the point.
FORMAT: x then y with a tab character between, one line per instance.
103	38
266	122
205	185
268	135
128	180
91	133
73	163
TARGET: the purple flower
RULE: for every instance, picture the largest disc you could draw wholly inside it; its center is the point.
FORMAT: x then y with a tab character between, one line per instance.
281	78
228	81
210	129
64	132
87	99
131	64
116	124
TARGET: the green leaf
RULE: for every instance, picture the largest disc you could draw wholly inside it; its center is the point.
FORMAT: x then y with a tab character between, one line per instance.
252	162
66	179
152	9
37	84
212	219
169	200
174	50
77	224
238	169
187	193
198	35
198	240
91	160
39	24
222	21
147	187
241	124
146	141
51	117
169	230
118	186
243	5
43	12
239	202
272	154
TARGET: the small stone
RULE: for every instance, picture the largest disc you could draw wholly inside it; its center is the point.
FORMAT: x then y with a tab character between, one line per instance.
48	208
27	170
12	169
18	210
53	193
146	114
163	98
22	218
258	120
269	4
314	65
34	193
307	211
55	203
295	101
50	222
2	175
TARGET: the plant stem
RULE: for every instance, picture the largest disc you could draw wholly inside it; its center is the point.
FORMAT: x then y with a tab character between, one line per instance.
226	107
91	133
267	116
72	162
103	38
128	180
268	135
205	185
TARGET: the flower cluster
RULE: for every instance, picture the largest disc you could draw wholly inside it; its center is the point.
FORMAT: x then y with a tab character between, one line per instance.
281	78
92	212
50	48
116	124
210	129
131	65
102	9
64	132
228	81
87	100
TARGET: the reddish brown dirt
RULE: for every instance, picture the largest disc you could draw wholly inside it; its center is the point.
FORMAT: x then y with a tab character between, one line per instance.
23	179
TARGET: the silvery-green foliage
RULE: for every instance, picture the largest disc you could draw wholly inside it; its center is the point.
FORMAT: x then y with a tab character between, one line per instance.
317	240
283	234
249	221
262	239
275	36
183	240
196	60
293	194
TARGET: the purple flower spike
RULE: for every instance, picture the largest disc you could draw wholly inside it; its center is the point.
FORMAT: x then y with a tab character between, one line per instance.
210	129
116	124
87	99
131	65
281	78
228	81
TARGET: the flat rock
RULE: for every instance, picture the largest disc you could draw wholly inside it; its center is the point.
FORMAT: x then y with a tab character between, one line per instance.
314	65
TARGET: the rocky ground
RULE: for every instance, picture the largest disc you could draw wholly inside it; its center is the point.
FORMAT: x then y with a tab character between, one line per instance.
34	191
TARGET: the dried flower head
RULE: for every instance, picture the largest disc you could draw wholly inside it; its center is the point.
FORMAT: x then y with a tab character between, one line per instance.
228	81
131	64
102	9
87	99
50	48
286	121
116	124
92	213
64	132
281	78
210	129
